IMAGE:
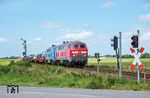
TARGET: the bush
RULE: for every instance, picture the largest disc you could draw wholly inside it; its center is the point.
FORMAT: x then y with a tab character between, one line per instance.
59	70
23	63
4	69
111	81
95	83
121	81
12	62
55	69
145	55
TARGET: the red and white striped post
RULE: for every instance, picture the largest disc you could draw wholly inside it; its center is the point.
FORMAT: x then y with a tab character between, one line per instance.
137	55
137	61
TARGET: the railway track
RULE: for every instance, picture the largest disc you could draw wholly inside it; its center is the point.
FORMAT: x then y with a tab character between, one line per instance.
127	74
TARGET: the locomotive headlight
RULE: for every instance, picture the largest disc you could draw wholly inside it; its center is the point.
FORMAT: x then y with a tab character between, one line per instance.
84	54
73	55
75	52
83	51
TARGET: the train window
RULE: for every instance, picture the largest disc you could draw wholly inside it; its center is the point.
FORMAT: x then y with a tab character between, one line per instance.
82	45
75	45
65	47
62	47
48	49
59	48
68	46
49	55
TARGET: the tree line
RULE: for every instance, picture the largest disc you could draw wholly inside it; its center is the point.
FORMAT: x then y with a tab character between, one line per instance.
11	57
145	55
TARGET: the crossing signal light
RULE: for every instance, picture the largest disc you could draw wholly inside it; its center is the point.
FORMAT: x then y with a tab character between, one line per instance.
134	42
24	53
97	55
114	42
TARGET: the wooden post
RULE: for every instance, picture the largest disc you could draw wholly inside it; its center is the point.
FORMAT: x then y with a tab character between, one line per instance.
97	66
145	75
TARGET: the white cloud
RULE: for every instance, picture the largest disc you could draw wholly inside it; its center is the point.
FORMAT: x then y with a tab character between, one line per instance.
146	5
108	4
3	40
144	40
76	36
55	26
126	36
145	36
145	17
17	33
37	39
63	28
85	25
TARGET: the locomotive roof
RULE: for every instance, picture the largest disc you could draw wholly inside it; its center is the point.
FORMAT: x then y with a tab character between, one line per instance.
70	43
65	44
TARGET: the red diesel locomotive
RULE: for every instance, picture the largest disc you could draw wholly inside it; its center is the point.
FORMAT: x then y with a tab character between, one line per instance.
74	53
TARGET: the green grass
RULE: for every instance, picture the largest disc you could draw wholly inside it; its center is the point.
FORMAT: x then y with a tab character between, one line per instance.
56	76
4	61
111	62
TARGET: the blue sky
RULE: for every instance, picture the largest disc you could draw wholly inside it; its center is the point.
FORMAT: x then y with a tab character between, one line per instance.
46	22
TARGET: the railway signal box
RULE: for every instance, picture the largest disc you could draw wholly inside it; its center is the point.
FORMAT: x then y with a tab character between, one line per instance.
114	42
97	55
134	42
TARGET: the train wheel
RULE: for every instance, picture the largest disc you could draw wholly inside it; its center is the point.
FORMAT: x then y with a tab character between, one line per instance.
52	62
67	63
58	63
82	65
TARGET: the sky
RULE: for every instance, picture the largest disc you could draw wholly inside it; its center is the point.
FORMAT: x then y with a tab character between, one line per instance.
46	22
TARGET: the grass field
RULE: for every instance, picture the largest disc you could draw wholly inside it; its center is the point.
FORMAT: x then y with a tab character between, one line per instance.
105	62
111	62
27	74
4	62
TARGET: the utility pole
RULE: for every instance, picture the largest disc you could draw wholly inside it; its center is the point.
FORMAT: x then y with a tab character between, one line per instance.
25	48
138	70
118	65
120	53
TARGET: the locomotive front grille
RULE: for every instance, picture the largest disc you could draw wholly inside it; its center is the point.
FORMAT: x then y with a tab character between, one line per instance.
79	58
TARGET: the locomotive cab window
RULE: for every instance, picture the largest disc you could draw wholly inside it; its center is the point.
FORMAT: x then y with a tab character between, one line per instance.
82	45
68	47
75	45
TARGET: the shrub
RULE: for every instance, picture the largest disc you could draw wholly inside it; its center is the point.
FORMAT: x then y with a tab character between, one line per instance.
42	81
23	63
55	69
4	69
111	81
95	83
122	81
12	62
59	70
